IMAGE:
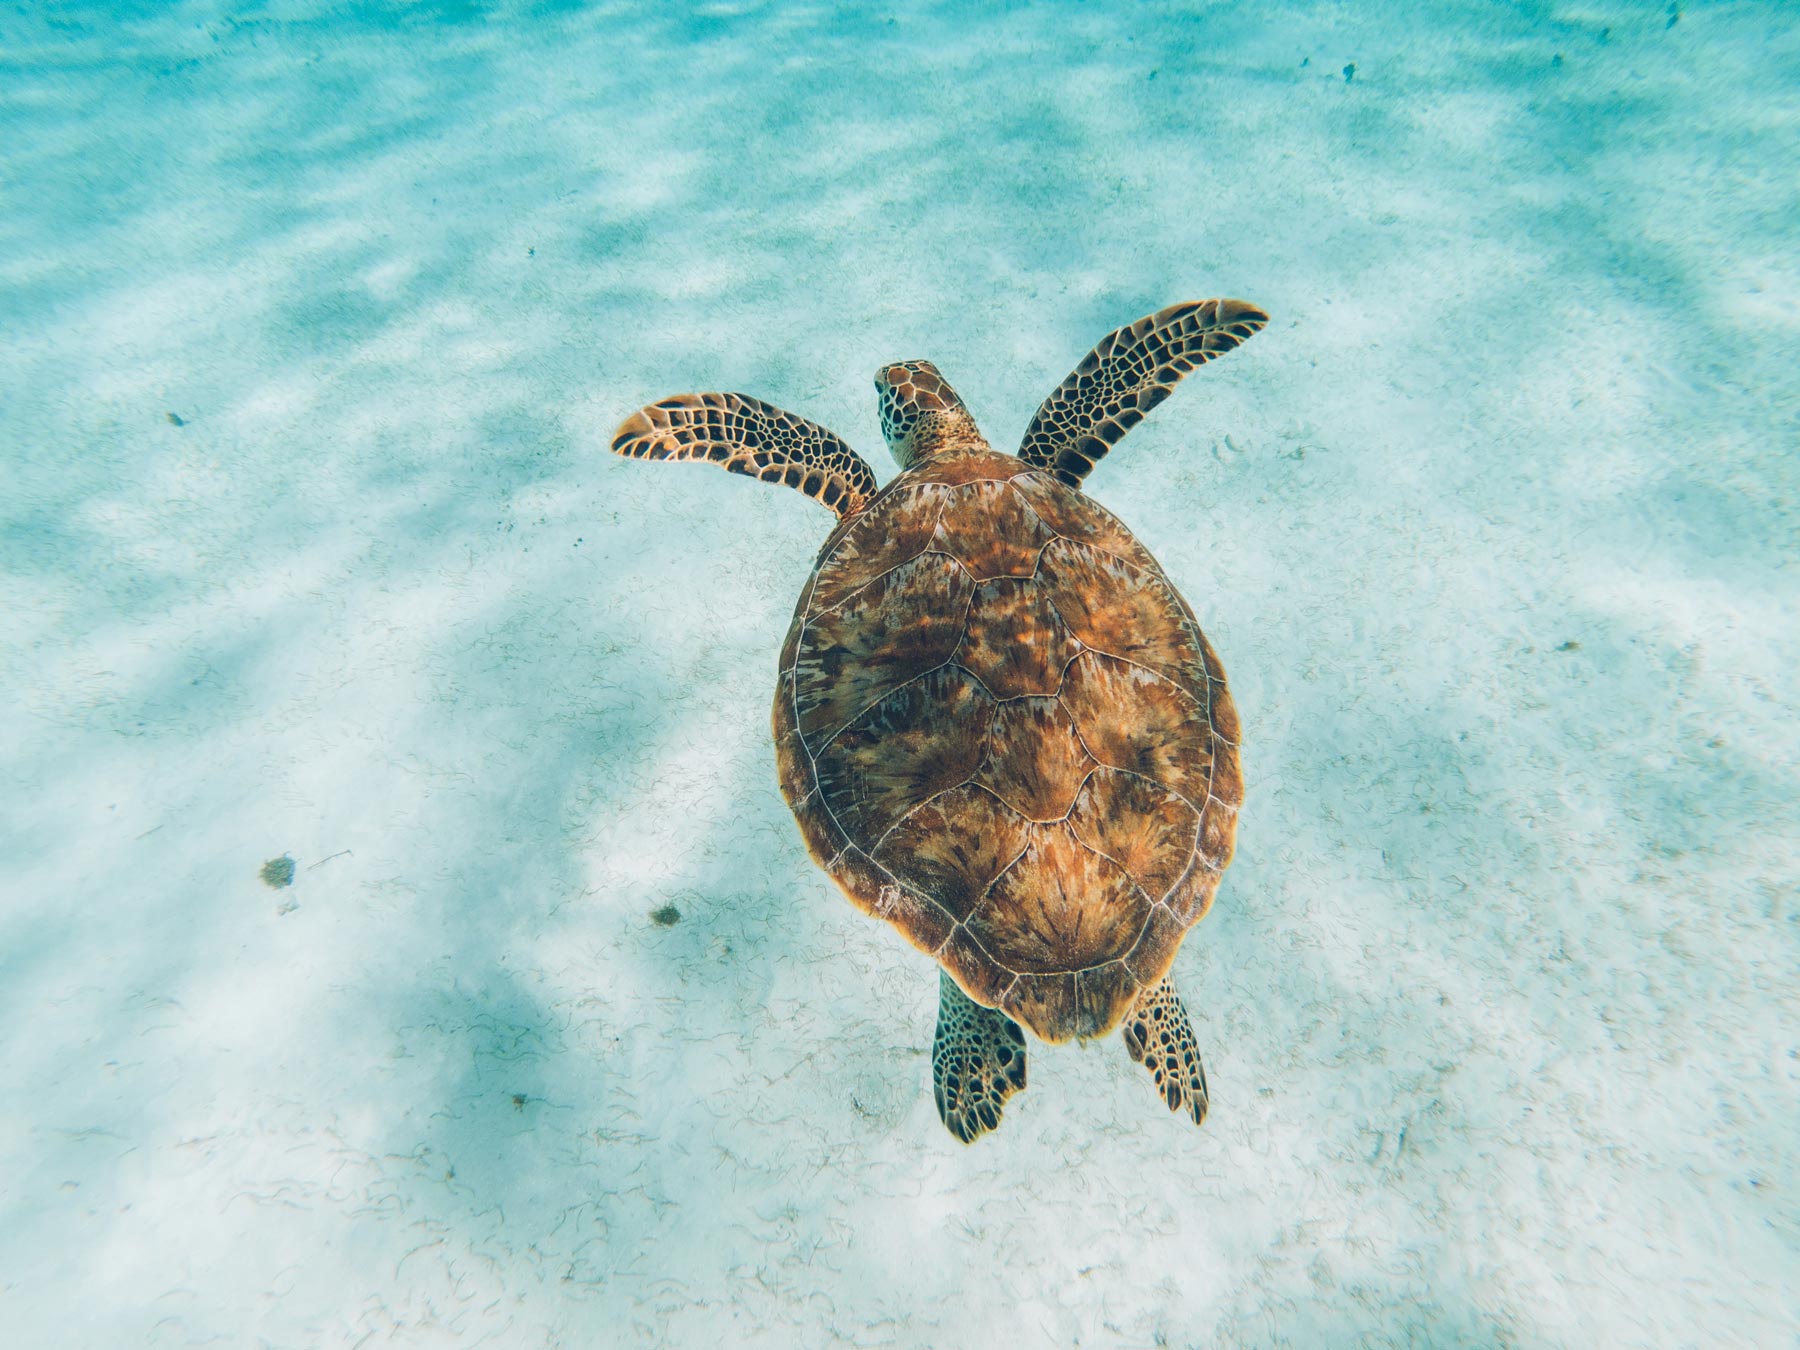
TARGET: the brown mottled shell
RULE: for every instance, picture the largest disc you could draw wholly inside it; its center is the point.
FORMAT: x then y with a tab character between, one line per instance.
1002	731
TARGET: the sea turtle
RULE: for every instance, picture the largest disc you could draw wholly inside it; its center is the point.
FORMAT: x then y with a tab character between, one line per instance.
996	720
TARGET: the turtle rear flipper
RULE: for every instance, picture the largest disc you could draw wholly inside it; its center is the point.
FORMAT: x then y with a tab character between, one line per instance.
1129	372
751	437
977	1062
1160	1037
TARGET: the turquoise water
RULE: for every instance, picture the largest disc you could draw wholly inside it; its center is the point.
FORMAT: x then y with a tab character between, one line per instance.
316	325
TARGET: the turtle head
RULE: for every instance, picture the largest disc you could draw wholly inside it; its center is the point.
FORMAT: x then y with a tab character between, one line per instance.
921	416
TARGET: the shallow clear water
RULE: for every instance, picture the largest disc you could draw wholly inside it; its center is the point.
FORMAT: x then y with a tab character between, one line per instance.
316	328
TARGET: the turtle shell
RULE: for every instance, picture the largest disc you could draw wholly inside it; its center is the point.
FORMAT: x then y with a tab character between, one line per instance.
1002	731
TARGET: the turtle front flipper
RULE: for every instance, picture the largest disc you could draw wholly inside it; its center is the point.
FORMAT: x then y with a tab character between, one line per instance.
1160	1037
1131	371
749	436
977	1062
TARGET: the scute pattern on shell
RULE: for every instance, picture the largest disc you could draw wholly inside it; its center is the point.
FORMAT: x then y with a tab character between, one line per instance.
1001	730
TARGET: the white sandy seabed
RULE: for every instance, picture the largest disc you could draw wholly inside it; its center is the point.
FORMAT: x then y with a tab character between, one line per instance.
1494	528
